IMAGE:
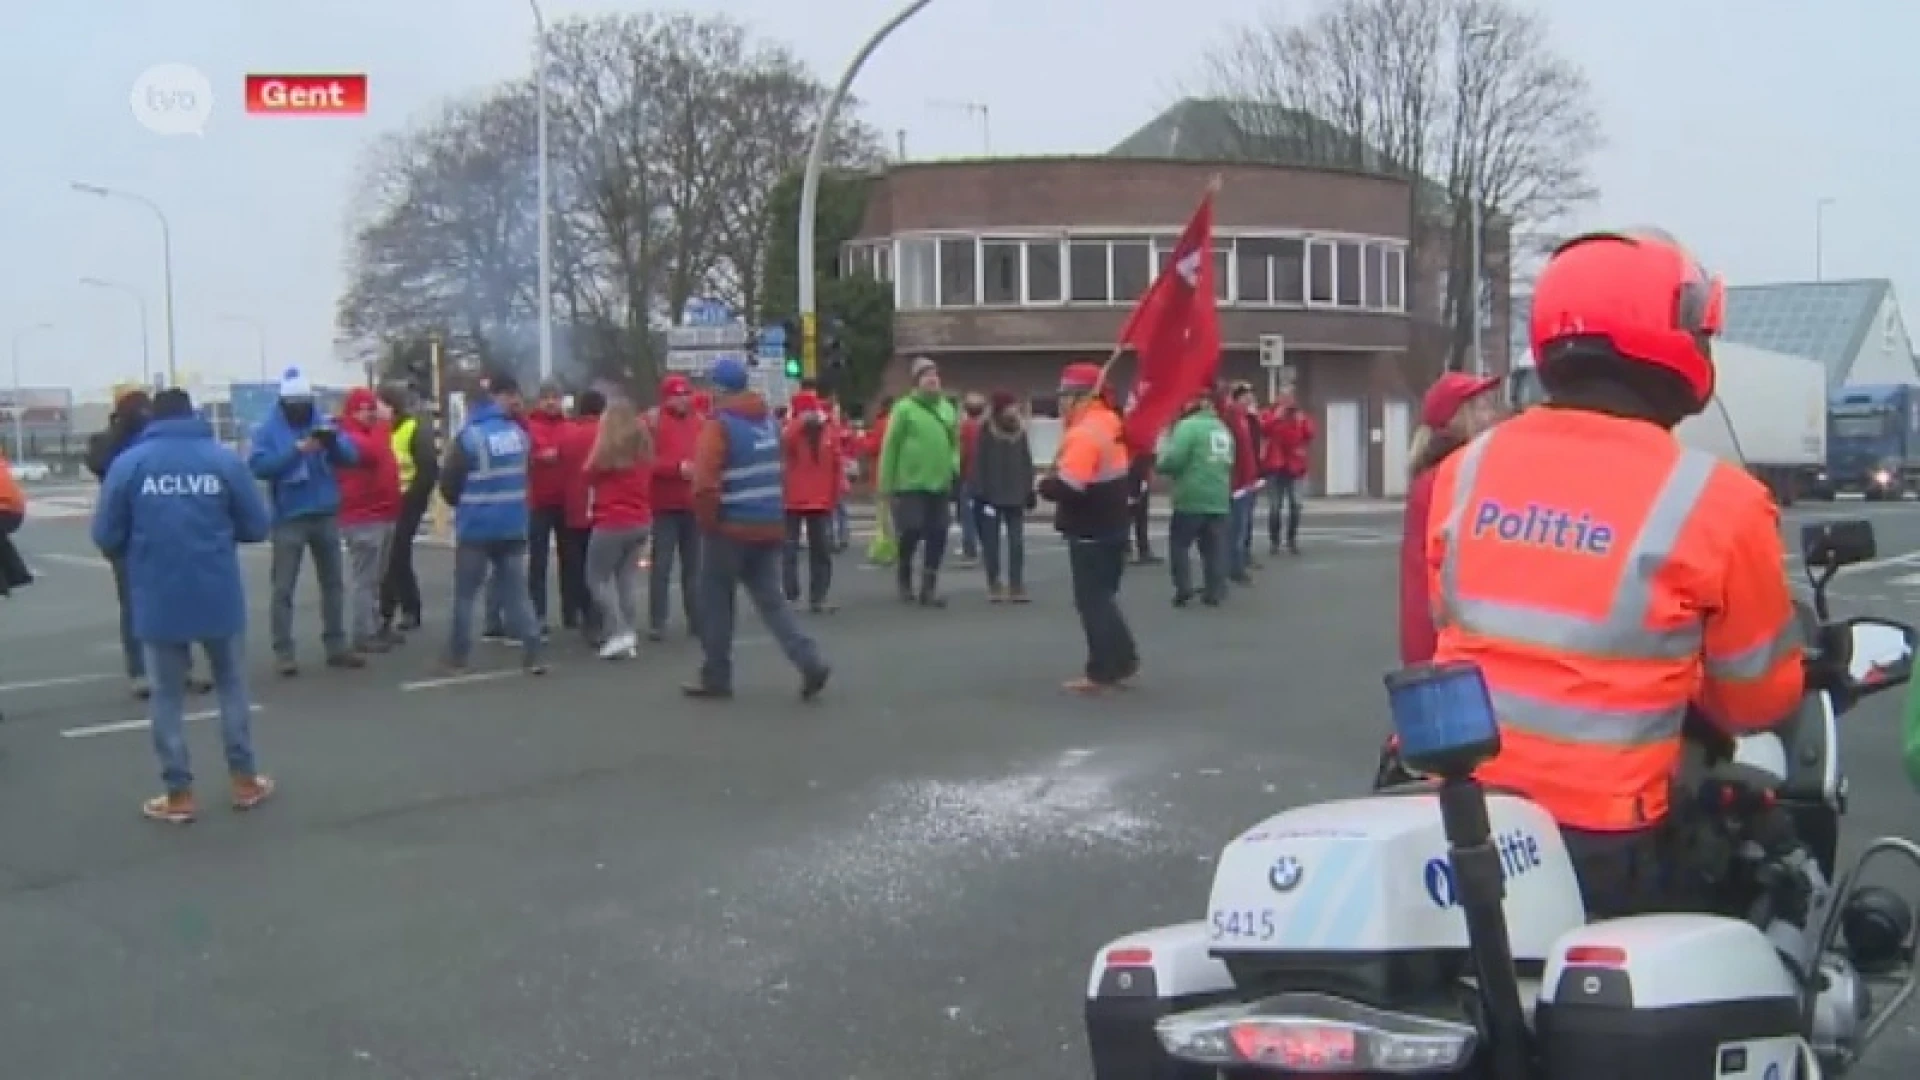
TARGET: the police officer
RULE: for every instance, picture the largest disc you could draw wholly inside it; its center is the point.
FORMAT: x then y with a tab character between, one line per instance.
739	505
485	479
1602	575
173	506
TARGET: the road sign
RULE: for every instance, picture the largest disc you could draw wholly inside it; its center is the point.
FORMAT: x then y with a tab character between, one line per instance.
699	361
707	311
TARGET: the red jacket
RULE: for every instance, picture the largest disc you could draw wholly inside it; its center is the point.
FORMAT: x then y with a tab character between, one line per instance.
812	474
369	488
575	445
969	438
1246	471
1289	436
546	479
621	498
1417	633
673	437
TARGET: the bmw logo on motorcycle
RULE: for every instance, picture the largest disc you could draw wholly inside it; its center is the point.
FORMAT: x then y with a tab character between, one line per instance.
1285	873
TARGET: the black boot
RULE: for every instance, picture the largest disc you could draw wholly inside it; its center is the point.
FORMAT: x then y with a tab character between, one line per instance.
903	580
930	590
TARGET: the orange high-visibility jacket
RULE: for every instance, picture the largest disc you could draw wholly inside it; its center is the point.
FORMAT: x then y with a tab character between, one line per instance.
1603	577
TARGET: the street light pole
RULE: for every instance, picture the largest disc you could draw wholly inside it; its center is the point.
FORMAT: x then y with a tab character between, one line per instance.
1478	225
20	407
540	172
166	260
259	339
810	183
1820	238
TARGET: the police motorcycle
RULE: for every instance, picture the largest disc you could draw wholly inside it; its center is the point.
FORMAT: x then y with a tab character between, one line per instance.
1436	928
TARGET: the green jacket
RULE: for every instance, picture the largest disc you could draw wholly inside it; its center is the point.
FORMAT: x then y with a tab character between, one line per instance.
922	451
1197	455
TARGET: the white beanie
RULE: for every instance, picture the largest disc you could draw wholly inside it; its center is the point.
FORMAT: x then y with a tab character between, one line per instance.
294	385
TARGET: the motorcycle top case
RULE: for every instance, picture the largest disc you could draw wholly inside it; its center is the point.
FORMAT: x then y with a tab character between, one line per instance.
1371	875
1667	997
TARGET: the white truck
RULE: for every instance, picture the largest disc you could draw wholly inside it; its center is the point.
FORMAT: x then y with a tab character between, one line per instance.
1769	414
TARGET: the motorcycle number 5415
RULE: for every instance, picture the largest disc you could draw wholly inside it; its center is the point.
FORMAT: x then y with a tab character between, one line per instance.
1244	924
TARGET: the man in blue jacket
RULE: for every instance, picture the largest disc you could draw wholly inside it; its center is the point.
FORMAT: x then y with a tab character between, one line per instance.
295	450
174	506
485	479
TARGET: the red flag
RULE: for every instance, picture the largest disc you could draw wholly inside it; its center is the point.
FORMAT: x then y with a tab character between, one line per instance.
1175	334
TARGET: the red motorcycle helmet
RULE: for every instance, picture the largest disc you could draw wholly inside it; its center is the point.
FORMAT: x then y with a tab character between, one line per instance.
1641	293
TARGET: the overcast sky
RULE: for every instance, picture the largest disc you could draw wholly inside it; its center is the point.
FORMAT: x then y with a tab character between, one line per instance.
1727	122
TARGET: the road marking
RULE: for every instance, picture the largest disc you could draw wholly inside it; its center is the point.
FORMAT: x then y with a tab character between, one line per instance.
135	725
460	680
65	559
64	680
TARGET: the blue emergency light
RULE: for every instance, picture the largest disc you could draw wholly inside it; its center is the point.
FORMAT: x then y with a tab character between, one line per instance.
1444	718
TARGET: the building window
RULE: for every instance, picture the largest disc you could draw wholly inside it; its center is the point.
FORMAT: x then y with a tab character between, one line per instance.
1000	272
1253	263
1289	268
883	262
1043	272
1395	296
1222	264
1346	275
958	270
919	276
1373	281
1319	272
1132	270
1087	270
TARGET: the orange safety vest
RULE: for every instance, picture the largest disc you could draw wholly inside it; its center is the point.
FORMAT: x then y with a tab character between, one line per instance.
1604	577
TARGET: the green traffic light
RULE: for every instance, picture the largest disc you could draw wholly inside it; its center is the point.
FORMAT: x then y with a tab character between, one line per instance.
793	368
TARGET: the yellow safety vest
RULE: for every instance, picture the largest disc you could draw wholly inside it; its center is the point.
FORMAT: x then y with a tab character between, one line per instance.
403	450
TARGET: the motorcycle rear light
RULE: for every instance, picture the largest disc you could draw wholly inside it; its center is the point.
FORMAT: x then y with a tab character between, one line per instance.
1607	956
1316	1034
1129	957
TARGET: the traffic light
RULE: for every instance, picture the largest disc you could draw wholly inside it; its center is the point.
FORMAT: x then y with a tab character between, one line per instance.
833	344
794	367
796	348
753	348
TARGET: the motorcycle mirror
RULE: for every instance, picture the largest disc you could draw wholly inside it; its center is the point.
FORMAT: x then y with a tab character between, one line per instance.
1830	545
1879	653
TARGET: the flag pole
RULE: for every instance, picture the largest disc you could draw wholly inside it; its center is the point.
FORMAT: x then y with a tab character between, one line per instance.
1119	350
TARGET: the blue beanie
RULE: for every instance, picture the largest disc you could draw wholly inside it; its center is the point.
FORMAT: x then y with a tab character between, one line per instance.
728	374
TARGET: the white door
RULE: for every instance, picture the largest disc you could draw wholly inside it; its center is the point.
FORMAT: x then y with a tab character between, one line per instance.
1397	429
1345	455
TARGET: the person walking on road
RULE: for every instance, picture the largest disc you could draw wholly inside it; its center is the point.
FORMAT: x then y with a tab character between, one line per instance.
619	474
1089	489
973	414
369	510
578	611
547	481
295	450
919	462
416	454
1287	436
1197	456
485	479
1237	413
1001	483
737	497
173	509
811	477
676	536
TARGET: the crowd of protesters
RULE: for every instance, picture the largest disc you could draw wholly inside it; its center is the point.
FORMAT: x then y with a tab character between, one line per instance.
713	493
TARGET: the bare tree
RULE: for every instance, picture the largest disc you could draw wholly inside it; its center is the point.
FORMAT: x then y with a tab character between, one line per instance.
1465	98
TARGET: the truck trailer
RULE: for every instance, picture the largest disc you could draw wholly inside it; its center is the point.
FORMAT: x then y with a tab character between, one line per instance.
1768	415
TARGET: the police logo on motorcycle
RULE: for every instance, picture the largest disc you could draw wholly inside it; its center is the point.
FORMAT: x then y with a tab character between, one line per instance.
1285	873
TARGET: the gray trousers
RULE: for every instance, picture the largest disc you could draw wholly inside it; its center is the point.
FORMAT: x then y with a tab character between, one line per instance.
613	576
726	567
368	547
292	539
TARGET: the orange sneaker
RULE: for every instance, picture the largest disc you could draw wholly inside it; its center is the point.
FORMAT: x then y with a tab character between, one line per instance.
174	808
251	791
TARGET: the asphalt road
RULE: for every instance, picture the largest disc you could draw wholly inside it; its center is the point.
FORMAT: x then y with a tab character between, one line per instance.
586	876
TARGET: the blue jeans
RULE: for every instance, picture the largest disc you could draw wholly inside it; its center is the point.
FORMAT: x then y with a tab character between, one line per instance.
726	566
842	525
168	664
1240	535
292	539
505	563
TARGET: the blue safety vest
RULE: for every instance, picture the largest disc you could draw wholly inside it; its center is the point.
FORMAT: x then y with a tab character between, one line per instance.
750	481
493	504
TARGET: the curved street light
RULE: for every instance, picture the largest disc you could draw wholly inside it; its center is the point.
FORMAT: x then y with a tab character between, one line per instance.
140	301
810	183
540	173
20	337
166	257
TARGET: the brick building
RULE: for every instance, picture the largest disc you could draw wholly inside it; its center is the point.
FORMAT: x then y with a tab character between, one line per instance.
1005	269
